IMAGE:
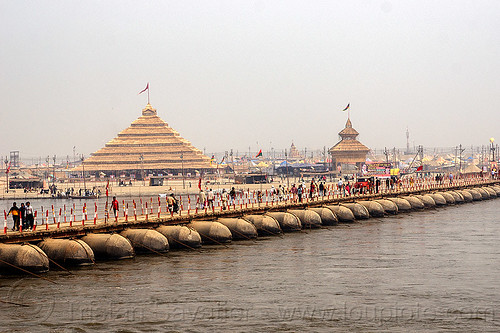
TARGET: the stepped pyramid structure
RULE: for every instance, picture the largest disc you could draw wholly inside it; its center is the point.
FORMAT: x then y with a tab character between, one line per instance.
348	150
148	144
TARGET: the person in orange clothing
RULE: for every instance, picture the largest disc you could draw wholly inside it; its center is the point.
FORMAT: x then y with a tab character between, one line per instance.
14	210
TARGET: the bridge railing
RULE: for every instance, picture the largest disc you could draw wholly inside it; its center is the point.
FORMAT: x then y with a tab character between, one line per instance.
55	217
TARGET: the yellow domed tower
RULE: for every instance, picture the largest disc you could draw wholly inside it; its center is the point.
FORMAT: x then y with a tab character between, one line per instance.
348	150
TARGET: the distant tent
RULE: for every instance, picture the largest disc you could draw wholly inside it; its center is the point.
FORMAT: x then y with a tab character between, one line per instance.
440	160
472	168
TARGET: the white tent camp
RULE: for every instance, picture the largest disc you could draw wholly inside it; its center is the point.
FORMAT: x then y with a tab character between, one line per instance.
472	168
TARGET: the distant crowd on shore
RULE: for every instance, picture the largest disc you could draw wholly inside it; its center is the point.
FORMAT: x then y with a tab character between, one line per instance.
71	192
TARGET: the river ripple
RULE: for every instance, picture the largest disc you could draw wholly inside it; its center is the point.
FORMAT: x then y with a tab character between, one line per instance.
433	270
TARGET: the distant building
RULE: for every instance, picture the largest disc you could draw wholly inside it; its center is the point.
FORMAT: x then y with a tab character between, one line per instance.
294	152
348	151
148	145
14	159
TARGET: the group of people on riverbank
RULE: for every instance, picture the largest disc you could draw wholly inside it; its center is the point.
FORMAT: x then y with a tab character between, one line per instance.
22	216
70	192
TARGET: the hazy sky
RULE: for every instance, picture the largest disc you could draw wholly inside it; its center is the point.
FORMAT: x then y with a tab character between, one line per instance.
229	74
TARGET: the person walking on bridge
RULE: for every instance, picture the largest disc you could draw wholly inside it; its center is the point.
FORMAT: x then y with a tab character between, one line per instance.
29	216
22	215
202	198
14	210
210	199
115	206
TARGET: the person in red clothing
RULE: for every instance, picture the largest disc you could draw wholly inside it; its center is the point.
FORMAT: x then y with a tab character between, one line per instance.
114	205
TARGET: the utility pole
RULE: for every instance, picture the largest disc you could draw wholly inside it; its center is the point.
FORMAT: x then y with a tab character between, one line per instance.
455	159
182	165
386	153
407	141
232	162
47	159
273	154
83	174
460	160
54	168
492	148
493	161
7	172
482	157
141	158
287	180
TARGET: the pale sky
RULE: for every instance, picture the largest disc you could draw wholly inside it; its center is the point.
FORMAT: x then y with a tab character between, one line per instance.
231	74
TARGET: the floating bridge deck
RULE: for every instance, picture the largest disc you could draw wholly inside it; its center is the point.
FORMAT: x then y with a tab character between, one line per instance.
80	228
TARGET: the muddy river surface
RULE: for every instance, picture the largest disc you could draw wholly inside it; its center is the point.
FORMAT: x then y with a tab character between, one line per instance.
428	271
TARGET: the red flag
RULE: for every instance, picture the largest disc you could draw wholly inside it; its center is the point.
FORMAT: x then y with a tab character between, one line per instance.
107	186
147	87
420	168
259	154
199	184
8	169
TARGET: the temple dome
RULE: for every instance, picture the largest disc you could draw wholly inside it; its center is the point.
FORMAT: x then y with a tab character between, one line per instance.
348	131
348	150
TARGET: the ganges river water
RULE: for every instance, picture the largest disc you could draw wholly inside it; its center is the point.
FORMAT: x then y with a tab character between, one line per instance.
428	271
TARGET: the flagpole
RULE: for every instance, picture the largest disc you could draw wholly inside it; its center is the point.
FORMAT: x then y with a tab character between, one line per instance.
148	93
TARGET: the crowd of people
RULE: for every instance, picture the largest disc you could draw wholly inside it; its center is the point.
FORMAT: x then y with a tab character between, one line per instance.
317	188
69	192
23	215
295	193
